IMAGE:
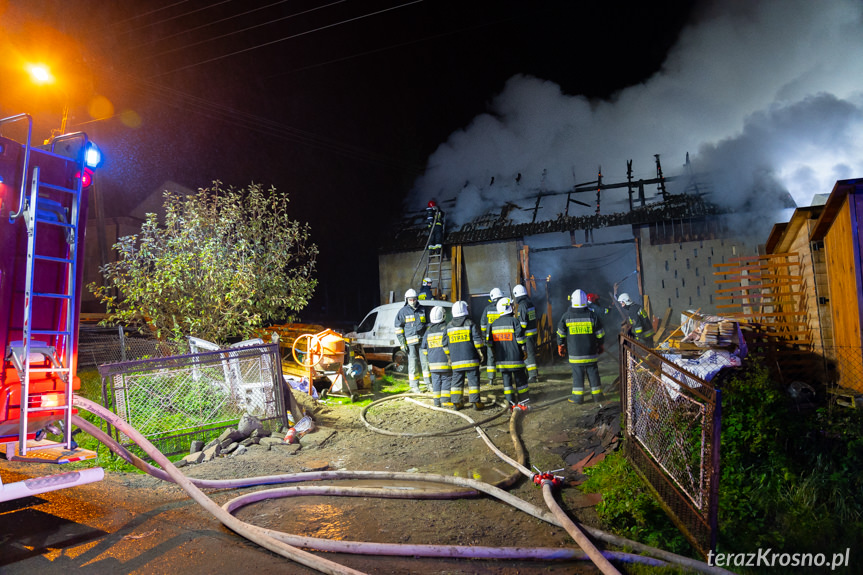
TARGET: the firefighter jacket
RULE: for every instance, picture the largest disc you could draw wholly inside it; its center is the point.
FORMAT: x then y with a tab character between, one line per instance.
411	324
489	315
582	332
526	315
642	327
506	338
433	347
463	341
425	293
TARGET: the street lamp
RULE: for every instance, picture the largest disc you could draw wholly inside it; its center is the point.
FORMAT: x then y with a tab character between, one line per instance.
41	75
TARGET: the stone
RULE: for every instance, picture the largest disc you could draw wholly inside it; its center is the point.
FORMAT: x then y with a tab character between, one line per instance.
196	446
248	424
196	457
240	450
231	447
270	440
316	465
180	463
212	452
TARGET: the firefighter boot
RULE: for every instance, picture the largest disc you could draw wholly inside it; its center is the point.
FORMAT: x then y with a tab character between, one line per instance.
598	397
576	398
477	405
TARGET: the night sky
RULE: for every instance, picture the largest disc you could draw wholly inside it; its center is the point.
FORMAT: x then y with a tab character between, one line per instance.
341	104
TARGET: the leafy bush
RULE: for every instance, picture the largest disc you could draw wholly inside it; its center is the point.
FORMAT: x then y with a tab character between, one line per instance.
224	262
628	508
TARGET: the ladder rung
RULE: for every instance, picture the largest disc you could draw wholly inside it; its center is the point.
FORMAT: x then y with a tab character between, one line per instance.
58	188
53	259
57	295
49	332
54	223
49	369
49	408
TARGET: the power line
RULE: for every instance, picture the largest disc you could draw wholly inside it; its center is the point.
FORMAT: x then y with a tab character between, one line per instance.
130	18
283	39
187	30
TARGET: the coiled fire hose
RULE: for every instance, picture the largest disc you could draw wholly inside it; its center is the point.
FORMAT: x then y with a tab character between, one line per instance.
286	544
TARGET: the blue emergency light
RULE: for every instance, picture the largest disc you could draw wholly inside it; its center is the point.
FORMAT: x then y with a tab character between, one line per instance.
92	155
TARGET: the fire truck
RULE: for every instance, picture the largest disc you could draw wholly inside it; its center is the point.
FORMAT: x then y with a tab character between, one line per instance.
43	212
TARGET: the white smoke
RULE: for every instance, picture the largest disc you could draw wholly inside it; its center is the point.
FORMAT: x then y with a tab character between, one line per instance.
767	96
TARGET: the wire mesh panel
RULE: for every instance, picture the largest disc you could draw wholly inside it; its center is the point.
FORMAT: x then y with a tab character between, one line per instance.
672	428
178	395
100	345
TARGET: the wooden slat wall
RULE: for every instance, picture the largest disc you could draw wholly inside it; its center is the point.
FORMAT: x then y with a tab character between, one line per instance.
842	272
768	290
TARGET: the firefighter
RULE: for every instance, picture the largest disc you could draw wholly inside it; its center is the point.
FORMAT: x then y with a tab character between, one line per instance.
426	290
639	322
410	324
465	347
507	338
434	222
438	359
489	314
580	334
527	317
600	310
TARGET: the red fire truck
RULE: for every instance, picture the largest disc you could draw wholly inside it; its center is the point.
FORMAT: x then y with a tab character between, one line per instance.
43	211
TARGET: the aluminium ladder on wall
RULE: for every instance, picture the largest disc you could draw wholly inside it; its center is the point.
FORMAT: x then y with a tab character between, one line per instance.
32	353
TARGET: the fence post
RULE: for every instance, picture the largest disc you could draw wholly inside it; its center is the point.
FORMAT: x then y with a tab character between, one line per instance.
714	479
122	344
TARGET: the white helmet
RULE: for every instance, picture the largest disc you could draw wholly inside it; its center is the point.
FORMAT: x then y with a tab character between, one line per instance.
411	293
579	298
495	294
437	314
459	309
624	299
504	306
519	291
427	281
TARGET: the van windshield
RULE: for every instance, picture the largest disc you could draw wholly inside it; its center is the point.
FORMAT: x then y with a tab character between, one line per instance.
368	323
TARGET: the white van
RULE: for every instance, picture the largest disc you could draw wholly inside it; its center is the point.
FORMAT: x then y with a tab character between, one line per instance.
375	336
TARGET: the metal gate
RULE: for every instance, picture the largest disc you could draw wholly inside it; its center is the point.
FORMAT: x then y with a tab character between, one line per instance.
672	424
172	400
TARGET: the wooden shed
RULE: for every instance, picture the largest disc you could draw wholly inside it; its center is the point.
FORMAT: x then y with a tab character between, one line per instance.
838	231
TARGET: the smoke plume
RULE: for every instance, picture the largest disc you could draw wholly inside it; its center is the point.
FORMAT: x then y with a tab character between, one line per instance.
765	96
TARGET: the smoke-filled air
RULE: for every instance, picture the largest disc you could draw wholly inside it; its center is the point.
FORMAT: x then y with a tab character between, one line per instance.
764	96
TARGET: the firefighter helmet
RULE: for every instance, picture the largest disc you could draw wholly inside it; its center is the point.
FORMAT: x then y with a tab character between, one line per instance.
504	306
495	294
592	298
437	314
579	298
459	309
411	293
432	204
427	281
519	291
624	299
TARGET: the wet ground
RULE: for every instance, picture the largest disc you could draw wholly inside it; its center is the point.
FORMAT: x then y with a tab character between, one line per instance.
132	523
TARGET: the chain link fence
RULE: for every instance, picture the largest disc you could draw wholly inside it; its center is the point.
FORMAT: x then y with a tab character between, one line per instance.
100	345
672	423
173	400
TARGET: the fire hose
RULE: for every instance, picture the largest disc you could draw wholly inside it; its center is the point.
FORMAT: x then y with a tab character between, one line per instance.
288	545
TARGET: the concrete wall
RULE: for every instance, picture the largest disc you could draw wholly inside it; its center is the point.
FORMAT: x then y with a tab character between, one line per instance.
679	274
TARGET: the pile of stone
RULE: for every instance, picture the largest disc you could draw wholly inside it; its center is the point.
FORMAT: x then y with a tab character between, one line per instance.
235	441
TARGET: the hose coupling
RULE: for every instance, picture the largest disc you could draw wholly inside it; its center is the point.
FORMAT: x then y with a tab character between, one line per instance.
540	478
